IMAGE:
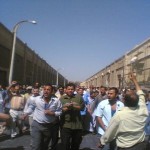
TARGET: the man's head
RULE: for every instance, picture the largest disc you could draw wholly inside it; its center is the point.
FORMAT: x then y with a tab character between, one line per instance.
92	94
77	88
61	90
35	91
16	88
112	93
96	93
131	99
12	86
29	89
80	91
91	87
70	88
37	84
47	91
103	90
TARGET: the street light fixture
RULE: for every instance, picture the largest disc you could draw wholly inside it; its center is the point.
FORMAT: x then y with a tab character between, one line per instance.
64	82
13	46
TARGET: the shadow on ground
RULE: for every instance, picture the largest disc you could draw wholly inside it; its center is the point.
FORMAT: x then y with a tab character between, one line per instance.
15	148
86	149
4	137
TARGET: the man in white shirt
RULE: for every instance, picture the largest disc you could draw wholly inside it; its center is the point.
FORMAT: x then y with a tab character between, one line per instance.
105	111
127	126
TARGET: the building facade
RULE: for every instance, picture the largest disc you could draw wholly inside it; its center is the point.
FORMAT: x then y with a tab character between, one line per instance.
28	66
116	74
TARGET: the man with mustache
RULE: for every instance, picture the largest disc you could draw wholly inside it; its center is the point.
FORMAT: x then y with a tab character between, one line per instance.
71	123
46	109
127	126
105	111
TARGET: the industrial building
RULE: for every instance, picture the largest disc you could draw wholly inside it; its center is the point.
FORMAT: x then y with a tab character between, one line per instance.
29	67
116	73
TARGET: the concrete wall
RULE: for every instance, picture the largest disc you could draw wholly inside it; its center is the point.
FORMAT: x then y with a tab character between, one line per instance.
116	73
29	67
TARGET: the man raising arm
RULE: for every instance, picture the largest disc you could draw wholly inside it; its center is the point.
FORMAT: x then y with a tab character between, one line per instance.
127	126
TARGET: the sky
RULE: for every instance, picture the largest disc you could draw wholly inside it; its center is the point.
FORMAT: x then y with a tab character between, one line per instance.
79	37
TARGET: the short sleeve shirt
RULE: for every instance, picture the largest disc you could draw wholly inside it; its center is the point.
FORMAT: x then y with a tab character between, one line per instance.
104	111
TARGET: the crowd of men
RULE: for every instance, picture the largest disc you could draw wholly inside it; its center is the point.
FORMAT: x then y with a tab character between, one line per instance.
120	119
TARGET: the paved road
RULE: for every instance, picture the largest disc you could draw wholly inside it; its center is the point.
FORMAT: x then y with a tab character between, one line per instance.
23	143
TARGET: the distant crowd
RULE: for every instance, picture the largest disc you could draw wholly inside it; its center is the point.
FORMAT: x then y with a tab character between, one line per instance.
118	118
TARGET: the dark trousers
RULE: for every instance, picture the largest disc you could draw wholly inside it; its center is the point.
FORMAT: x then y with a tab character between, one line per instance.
54	136
41	135
112	145
139	146
71	139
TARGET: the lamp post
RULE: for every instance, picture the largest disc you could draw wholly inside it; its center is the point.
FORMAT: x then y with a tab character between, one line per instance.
13	46
57	77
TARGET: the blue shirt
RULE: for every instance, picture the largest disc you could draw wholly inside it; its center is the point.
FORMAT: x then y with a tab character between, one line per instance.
39	106
147	126
85	98
1	101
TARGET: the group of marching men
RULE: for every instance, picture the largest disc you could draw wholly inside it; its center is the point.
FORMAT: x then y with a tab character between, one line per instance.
119	119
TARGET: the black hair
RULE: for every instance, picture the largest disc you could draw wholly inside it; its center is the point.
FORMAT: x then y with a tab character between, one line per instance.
71	84
81	88
103	87
48	84
35	87
60	86
131	100
16	84
115	89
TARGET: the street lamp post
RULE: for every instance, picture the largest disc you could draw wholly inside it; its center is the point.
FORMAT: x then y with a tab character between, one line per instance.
64	82
57	79
57	76
13	46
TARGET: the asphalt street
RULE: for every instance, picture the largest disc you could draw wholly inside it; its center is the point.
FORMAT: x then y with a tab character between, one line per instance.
89	142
